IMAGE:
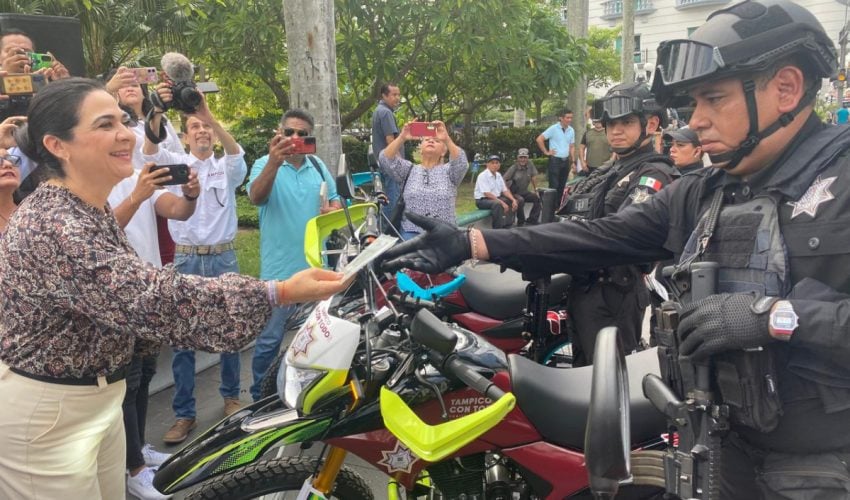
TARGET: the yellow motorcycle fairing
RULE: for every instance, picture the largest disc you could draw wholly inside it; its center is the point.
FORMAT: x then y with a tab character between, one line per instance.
436	442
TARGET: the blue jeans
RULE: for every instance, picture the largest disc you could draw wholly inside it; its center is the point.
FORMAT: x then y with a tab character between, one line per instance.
268	345
183	362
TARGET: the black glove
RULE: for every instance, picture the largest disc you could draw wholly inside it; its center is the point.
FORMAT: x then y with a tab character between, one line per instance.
441	246
724	322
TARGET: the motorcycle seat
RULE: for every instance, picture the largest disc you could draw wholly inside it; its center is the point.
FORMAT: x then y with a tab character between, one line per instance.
502	295
556	400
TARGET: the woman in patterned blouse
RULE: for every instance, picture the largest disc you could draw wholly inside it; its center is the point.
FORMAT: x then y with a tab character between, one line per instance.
75	297
430	188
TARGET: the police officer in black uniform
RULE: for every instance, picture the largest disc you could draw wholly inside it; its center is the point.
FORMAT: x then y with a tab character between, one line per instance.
617	295
782	238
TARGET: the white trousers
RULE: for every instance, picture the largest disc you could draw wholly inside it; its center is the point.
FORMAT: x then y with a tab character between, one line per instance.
60	442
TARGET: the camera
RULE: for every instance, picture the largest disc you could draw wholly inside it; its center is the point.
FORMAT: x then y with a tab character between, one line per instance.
185	97
20	89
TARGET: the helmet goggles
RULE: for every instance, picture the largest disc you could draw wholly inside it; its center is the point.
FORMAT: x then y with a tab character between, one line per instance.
684	62
615	107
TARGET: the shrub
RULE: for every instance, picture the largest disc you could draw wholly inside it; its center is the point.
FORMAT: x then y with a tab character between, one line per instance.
355	153
246	213
506	141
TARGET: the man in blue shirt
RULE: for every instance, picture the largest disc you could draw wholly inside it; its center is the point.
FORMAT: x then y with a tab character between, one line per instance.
561	151
384	131
286	187
842	115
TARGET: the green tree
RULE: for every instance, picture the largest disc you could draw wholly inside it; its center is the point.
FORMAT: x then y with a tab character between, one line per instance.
119	31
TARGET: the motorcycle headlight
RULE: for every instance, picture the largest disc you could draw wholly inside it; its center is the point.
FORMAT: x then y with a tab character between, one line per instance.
294	382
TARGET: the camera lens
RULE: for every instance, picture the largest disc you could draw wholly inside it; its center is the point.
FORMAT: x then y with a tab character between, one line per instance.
190	97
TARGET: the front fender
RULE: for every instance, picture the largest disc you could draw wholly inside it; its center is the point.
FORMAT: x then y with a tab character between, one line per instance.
236	441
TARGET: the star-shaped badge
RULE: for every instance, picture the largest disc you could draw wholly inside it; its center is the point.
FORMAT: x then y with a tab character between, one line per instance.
817	193
302	341
640	195
400	459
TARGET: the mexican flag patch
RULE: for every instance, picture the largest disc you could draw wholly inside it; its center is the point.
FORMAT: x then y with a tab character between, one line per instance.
650	182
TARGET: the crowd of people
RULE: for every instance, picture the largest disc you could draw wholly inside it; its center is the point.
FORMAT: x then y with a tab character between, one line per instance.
88	298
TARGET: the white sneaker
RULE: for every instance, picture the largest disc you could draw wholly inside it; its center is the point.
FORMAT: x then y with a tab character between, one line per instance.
141	486
152	457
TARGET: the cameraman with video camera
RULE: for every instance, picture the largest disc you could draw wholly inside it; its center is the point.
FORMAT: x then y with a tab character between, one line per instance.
204	242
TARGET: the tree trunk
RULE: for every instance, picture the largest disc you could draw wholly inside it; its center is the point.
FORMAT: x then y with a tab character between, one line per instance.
577	19
519	117
627	64
311	45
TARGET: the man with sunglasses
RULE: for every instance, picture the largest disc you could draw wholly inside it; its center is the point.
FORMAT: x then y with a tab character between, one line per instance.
288	189
771	217
203	242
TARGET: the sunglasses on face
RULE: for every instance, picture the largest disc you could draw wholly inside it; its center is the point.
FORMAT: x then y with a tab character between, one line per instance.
288	132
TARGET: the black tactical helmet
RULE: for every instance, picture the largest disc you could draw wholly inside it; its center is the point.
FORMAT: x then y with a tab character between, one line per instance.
623	100
741	41
744	38
628	99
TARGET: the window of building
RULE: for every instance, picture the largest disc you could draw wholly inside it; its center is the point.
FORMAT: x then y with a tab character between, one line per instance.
618	46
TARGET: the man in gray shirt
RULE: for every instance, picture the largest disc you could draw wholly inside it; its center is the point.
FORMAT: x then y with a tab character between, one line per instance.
518	178
384	130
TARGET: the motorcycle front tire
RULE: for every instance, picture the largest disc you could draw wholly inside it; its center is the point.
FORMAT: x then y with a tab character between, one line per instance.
277	476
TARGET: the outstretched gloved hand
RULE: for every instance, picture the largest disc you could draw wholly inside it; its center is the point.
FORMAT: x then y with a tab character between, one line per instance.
723	322
441	246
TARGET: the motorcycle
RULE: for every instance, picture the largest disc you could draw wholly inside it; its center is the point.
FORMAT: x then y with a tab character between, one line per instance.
494	302
436	407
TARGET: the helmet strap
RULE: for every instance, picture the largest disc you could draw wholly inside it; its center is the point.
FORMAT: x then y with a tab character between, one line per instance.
754	137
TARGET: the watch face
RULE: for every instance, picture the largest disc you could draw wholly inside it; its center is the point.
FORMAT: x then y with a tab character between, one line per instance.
785	320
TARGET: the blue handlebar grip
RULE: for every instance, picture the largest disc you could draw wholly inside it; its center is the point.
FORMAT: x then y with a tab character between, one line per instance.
410	287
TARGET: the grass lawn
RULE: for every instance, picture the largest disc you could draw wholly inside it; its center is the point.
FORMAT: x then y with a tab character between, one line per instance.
248	238
248	251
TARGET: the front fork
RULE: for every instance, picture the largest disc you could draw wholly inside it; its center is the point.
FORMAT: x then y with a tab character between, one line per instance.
325	479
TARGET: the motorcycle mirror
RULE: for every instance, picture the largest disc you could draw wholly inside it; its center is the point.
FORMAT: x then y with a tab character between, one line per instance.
607	435
344	181
431	332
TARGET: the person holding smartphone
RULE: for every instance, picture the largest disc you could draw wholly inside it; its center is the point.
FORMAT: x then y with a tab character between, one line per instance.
204	242
430	187
286	186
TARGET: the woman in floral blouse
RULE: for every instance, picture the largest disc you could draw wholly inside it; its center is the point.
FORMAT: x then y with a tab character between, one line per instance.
430	188
75	298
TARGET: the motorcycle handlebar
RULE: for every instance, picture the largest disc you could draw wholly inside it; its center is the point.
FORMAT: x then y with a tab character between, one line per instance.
469	376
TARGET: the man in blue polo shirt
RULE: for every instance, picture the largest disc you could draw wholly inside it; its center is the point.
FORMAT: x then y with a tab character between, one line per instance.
287	189
561	151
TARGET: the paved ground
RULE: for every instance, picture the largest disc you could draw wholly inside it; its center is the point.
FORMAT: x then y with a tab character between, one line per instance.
210	406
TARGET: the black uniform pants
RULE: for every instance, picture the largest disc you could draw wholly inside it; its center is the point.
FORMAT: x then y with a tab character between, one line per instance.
601	305
750	473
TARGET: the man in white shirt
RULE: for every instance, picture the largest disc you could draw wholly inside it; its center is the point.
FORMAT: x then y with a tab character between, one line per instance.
492	194
204	243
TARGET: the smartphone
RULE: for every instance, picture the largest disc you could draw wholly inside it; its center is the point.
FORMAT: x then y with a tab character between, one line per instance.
21	84
40	61
179	174
146	75
303	145
422	129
